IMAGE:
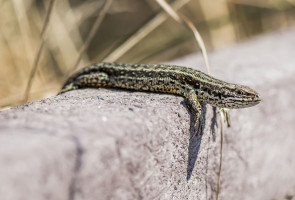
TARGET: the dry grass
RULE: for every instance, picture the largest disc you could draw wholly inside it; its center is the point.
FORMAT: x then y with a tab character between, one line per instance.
187	23
42	42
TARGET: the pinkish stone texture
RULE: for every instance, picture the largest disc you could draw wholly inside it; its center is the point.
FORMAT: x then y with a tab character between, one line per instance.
134	145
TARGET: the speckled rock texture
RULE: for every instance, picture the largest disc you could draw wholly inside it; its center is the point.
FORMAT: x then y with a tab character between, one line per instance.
113	144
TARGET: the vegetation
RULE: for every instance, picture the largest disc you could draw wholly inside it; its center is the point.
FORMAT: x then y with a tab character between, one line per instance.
43	42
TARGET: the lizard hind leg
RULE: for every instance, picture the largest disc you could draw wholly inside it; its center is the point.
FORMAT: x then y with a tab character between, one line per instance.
195	109
94	80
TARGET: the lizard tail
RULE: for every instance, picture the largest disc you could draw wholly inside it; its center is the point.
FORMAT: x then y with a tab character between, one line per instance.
68	87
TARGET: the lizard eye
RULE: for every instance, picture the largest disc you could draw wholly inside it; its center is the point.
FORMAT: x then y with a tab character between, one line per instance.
240	92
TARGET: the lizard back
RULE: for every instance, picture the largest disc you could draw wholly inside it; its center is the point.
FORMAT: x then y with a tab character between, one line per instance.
165	79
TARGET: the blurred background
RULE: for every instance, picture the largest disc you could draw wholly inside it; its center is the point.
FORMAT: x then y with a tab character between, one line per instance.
42	42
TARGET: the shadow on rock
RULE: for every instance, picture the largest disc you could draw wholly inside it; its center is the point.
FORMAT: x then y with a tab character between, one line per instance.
195	140
196	137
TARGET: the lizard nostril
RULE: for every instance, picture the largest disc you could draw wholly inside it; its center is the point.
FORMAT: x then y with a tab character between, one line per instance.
258	97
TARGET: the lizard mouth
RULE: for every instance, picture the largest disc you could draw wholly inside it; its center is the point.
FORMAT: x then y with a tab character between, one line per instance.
243	103
254	101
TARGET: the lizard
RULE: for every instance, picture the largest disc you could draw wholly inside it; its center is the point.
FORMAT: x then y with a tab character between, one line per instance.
195	86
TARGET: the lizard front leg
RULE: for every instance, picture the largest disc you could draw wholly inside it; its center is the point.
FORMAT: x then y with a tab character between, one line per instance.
195	108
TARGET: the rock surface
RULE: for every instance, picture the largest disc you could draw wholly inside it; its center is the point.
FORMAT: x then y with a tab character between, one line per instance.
114	144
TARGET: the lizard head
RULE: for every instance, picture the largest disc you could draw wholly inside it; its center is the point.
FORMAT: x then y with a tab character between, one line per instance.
239	96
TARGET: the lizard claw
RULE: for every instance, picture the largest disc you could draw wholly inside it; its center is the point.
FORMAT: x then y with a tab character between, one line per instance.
198	127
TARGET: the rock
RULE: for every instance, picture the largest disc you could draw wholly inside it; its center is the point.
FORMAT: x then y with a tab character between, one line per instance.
136	145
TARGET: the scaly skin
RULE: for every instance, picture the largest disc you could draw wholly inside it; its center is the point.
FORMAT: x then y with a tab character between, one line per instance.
197	87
